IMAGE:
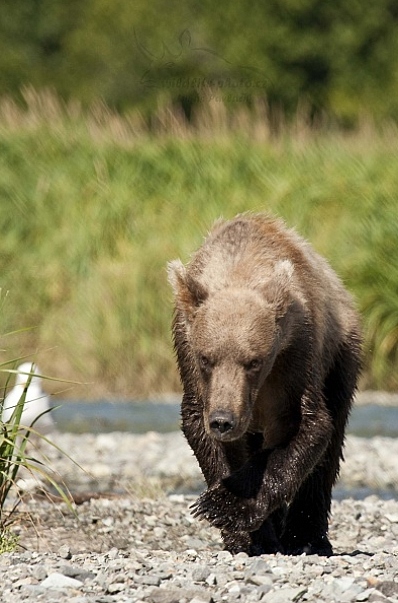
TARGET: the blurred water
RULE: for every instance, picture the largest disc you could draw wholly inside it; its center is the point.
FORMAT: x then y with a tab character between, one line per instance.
342	492
140	417
104	416
373	420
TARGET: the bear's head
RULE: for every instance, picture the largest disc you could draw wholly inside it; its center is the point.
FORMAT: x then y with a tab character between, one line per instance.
234	335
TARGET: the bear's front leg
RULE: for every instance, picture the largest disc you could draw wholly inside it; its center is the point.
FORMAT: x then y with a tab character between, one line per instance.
234	503
269	479
236	510
227	511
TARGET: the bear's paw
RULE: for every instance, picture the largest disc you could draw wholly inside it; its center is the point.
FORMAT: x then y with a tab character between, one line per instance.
229	512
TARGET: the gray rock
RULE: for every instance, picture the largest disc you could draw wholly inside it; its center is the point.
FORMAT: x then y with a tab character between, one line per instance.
148	580
259	580
365	595
59	581
170	556
224	556
388	588
200	573
257	567
211	579
116	587
283	595
204	598
195	543
76	572
165	595
65	552
39	572
352	593
32	591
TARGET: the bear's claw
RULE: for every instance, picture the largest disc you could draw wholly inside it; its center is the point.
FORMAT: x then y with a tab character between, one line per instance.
227	511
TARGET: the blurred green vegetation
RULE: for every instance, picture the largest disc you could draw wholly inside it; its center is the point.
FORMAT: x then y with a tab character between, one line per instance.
337	58
94	205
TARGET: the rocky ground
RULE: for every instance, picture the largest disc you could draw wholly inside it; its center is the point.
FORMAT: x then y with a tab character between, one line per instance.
130	536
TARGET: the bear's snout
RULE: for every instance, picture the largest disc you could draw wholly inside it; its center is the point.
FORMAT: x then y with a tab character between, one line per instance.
222	423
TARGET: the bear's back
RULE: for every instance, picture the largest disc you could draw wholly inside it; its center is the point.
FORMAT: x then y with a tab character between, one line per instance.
243	250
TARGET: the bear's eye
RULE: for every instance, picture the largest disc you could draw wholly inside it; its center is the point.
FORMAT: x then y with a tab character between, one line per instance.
253	365
205	363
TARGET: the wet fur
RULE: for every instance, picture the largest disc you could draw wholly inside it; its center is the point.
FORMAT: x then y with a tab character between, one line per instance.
257	288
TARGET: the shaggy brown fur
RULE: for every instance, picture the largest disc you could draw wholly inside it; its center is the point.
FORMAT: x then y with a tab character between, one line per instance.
268	348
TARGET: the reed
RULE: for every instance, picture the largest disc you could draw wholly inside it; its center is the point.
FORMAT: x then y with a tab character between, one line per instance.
93	204
20	456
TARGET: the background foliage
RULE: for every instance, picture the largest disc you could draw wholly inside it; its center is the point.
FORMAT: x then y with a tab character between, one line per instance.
124	134
338	58
94	204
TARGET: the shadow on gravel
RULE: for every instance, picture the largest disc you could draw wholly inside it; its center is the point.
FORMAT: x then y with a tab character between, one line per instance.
354	554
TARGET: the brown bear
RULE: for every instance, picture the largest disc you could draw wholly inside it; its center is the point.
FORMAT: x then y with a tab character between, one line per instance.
268	347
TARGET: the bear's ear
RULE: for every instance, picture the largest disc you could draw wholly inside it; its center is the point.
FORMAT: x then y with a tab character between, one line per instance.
277	290
189	293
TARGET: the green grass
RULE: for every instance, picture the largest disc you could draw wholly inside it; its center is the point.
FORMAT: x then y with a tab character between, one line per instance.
15	458
93	206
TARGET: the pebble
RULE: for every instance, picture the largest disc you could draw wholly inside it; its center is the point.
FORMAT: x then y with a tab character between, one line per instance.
59	581
144	462
136	544
64	552
366	571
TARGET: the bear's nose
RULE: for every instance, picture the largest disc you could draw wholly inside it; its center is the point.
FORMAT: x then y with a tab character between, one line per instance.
221	421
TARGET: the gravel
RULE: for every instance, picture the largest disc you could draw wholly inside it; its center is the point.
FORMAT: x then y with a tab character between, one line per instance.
111	462
131	537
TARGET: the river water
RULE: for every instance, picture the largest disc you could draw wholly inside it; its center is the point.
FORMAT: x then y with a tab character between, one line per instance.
139	417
